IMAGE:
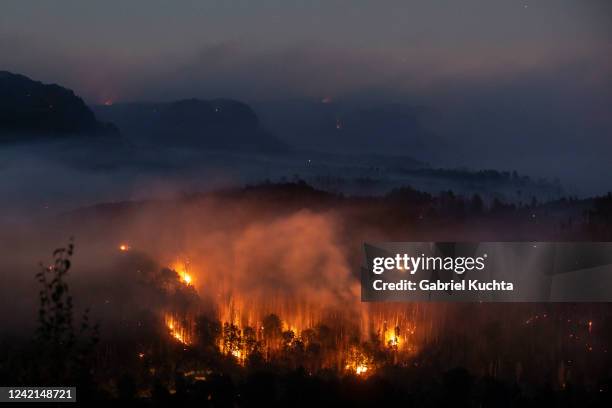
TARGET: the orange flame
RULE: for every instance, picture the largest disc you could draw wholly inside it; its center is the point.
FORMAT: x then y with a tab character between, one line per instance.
177	329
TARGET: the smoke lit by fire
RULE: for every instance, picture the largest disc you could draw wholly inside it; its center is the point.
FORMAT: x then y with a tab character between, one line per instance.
182	268
286	286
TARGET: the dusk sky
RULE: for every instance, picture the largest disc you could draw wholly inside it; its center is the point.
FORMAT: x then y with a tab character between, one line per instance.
521	85
273	49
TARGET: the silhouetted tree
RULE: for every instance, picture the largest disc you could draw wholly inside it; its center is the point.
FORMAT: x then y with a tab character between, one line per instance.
66	352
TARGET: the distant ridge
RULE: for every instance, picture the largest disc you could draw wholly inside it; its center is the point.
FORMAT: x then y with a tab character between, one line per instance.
32	110
222	124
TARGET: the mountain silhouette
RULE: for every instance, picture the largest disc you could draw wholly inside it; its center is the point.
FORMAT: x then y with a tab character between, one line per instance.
384	128
222	124
32	110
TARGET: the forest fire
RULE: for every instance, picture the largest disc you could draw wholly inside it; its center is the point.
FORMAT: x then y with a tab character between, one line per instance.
263	305
177	329
223	302
182	269
345	341
357	340
358	362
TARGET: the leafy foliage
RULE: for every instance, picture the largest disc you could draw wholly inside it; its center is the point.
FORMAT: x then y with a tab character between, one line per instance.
68	350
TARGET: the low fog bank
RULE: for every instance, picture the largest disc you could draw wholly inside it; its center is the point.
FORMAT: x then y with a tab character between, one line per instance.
43	178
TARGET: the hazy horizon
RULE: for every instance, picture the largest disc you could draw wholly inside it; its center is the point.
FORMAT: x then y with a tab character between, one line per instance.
506	85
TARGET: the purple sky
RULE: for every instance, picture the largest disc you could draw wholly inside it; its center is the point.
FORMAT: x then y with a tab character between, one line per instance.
512	84
141	49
